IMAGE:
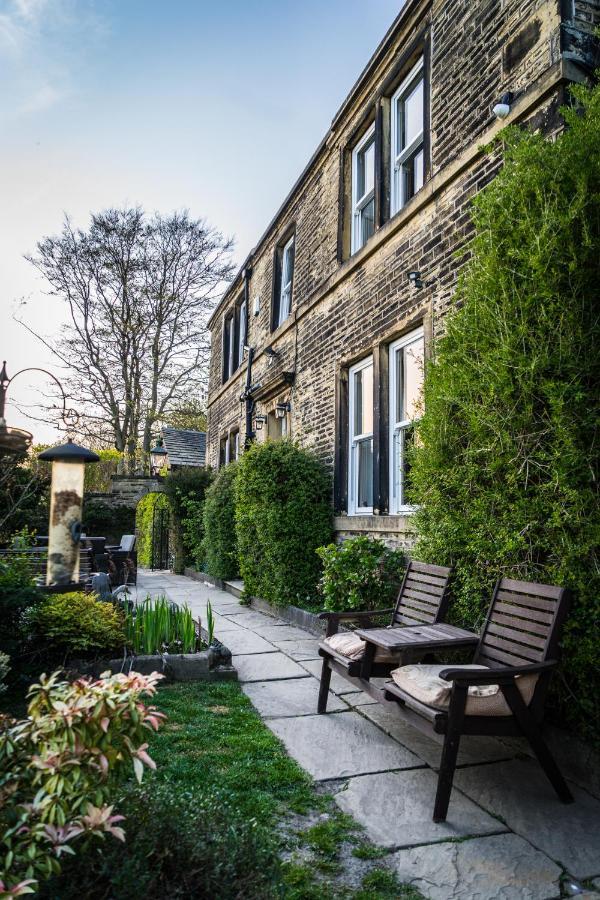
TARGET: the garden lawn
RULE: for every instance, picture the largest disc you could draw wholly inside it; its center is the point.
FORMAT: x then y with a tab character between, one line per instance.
227	811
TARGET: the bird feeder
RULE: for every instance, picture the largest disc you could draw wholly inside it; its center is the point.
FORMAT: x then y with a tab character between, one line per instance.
66	501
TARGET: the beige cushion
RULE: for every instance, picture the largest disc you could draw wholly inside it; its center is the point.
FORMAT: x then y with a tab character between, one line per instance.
348	644
423	682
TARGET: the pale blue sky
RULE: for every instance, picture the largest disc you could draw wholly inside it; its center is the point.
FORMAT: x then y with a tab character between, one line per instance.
215	107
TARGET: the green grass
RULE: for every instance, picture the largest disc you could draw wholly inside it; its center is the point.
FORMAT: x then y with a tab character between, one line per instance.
215	753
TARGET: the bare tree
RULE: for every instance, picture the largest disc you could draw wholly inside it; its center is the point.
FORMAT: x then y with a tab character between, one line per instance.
139	292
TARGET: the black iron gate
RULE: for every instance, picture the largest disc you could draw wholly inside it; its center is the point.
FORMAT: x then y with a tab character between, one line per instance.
161	521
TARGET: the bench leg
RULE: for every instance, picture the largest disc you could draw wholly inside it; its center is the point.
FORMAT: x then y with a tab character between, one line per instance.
324	686
456	714
538	744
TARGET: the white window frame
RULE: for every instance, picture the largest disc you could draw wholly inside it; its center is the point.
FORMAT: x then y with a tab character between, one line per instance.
242	326
285	288
354	440
359	203
396	488
397	199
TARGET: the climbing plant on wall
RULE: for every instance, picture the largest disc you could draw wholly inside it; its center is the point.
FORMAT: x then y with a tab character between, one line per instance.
506	468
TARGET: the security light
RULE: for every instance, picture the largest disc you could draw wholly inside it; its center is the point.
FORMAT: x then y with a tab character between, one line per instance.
281	409
502	109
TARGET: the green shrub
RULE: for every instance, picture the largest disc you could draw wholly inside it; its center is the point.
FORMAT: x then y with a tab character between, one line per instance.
185	489
360	573
101	519
180	844
4	667
507	473
17	592
99	476
144	518
59	765
283	513
74	623
220	545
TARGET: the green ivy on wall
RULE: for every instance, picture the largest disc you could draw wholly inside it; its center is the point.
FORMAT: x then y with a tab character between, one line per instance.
144	518
506	470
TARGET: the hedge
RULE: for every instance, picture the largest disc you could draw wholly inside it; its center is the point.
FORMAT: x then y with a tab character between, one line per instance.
283	513
144	517
185	489
220	544
506	470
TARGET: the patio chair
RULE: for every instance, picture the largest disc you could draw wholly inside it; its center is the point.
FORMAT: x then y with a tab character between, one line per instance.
422	599
501	693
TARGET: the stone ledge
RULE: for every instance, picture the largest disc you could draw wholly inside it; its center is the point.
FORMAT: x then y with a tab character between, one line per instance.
385	524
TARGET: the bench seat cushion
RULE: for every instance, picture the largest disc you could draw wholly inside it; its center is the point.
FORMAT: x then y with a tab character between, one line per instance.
351	646
423	682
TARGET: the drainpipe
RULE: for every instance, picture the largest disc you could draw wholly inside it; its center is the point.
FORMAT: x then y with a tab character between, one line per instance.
247	395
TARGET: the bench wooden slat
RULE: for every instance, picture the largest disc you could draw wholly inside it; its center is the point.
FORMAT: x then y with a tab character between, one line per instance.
436	581
521	637
430	569
524	614
429	599
528	626
531	588
527	602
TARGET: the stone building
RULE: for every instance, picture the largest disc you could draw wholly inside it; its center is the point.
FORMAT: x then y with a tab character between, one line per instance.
322	334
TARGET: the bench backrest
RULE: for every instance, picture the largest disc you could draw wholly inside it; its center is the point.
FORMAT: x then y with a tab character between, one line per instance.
523	624
424	595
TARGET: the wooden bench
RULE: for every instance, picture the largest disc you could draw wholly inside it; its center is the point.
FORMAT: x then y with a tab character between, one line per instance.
520	639
422	600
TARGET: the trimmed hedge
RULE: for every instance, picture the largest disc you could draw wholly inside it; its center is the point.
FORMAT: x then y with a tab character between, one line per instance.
220	544
507	473
144	515
185	489
283	513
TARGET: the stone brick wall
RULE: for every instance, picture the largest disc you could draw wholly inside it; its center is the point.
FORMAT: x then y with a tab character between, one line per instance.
346	307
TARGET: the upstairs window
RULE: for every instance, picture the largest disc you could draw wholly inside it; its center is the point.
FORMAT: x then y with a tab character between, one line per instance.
363	190
241	323
228	347
407	136
284	276
360	418
406	384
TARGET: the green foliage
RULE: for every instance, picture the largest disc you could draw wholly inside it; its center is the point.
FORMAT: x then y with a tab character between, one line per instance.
102	519
73	623
188	414
210	622
185	489
98	475
58	766
507	467
158	626
220	545
283	513
144	517
17	592
24	498
188	843
360	573
4	667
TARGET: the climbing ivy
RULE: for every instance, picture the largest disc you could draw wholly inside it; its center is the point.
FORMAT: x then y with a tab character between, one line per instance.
506	467
144	517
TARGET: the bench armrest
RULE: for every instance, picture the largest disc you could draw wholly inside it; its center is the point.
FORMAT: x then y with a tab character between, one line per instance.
333	619
494	676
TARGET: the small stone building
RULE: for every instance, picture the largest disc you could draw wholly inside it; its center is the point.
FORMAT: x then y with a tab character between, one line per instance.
322	334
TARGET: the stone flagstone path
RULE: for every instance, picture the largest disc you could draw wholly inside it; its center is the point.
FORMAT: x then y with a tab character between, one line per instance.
507	836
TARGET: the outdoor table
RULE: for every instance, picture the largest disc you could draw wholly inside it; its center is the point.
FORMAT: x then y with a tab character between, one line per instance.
408	638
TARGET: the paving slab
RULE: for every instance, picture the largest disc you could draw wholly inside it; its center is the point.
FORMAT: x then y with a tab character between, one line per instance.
340	745
473	749
338	685
396	808
502	867
358	699
307	648
292	697
520	793
267	667
243	641
256	621
276	633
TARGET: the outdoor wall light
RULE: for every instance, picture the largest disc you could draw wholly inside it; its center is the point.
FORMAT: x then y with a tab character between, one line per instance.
256	305
416	280
66	499
259	421
502	109
281	409
272	354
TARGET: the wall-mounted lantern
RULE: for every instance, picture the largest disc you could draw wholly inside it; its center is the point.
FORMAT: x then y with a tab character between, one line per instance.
282	409
259	421
66	500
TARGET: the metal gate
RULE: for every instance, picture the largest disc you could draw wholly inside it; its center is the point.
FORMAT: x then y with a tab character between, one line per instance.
161	521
